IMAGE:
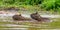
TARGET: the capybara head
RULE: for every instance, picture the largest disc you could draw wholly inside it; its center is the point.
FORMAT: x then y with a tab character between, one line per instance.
17	16
35	16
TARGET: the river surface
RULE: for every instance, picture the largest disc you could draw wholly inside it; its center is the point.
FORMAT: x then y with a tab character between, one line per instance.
7	23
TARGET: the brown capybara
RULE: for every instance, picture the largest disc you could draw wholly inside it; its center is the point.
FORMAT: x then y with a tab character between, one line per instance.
19	18
37	17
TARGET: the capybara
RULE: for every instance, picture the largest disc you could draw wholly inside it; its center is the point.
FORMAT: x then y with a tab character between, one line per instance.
19	17
37	17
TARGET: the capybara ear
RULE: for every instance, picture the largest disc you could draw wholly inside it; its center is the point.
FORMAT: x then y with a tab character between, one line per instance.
36	12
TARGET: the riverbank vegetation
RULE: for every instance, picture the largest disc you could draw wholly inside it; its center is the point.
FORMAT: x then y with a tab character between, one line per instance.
37	5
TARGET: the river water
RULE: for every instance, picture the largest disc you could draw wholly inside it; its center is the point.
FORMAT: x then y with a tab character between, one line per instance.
7	23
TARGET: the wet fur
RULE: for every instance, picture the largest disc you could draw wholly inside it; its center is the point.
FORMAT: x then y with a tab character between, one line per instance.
37	17
20	18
